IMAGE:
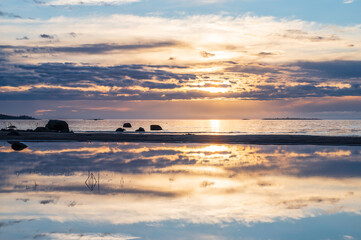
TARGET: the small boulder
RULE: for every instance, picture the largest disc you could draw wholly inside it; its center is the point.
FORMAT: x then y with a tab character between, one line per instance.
58	125
120	130
41	129
127	125
140	130
155	127
18	146
13	133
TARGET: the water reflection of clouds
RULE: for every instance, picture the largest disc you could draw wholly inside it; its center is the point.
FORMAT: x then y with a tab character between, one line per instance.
199	183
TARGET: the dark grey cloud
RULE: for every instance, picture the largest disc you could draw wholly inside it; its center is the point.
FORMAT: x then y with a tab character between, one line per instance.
87	48
266	54
23	199
9	223
335	168
158	85
23	38
48	201
38	2
73	34
304	202
301	35
9	15
123	81
257	69
68	74
47	36
332	69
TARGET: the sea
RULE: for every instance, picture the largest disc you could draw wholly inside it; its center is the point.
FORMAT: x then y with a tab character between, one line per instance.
161	191
298	127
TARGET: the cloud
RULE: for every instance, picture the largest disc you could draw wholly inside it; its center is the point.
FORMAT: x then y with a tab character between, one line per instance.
44	202
207	54
190	35
9	15
47	36
73	34
42	111
159	82
158	85
348	1
23	38
332	69
87	48
126	58
257	69
9	223
86	2
90	236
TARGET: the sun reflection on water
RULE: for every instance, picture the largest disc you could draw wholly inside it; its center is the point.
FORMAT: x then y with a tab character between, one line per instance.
196	183
215	124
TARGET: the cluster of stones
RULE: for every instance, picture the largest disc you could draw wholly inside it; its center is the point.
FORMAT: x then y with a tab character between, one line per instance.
128	125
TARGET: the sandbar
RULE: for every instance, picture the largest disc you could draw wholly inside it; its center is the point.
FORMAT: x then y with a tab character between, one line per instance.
185	138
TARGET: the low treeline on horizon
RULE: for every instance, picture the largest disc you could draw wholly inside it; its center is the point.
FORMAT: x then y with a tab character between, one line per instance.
26	117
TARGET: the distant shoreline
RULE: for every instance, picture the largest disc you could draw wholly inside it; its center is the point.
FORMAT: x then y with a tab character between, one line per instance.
291	119
185	138
22	117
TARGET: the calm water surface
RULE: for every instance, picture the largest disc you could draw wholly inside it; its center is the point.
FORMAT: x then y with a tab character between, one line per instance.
309	127
179	191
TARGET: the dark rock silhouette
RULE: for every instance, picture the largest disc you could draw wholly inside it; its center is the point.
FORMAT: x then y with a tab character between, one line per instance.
155	127
18	146
13	133
120	130
41	129
127	125
12	127
140	130
58	125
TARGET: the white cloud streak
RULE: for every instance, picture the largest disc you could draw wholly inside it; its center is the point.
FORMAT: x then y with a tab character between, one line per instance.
89	2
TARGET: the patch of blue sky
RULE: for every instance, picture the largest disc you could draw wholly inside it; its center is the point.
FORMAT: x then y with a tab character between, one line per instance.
337	12
333	227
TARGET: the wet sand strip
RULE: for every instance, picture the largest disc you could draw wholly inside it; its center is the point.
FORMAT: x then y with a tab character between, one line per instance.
185	138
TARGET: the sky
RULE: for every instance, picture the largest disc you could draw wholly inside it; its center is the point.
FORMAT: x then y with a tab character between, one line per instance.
207	59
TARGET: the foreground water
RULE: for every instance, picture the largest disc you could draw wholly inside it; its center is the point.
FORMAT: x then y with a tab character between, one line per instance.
306	127
179	191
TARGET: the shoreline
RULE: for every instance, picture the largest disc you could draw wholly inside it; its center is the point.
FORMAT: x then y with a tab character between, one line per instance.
185	138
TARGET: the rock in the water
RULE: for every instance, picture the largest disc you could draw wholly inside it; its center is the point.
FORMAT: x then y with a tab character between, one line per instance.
155	127
13	133
127	125
57	125
120	130
18	146
11	127
140	130
41	129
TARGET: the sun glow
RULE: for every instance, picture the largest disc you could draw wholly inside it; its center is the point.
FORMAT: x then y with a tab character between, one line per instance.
215	125
215	89
215	148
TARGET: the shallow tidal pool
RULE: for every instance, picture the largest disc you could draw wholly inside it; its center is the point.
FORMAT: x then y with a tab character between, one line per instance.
70	190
